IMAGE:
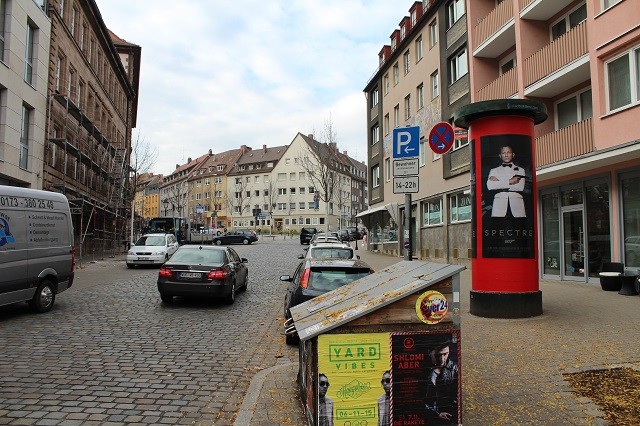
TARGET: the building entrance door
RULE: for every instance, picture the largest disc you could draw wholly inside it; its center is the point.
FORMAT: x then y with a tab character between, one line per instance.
573	237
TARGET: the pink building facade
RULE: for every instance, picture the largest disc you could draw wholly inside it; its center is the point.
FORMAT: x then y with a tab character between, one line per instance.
582	60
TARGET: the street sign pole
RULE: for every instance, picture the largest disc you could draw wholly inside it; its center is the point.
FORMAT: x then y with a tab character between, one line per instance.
407	226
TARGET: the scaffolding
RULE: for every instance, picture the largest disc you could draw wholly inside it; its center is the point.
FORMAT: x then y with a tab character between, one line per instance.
92	171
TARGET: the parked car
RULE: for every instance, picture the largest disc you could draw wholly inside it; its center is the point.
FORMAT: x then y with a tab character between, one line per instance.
152	249
314	277
354	234
343	235
306	234
211	231
326	237
329	251
236	236
203	271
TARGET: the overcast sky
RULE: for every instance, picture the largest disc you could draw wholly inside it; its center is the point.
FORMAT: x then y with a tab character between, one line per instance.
219	74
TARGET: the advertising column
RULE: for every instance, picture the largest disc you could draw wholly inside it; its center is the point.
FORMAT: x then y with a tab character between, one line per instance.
504	220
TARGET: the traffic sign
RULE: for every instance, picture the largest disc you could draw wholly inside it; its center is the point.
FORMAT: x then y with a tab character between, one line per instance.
405	167
406	142
441	138
405	185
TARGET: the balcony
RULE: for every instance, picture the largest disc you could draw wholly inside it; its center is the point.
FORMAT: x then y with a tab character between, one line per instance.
503	87
495	33
566	143
559	65
542	10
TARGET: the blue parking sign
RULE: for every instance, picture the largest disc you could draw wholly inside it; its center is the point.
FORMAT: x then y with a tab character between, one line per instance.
406	142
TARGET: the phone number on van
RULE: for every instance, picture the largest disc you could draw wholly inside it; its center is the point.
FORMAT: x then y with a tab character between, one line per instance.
30	203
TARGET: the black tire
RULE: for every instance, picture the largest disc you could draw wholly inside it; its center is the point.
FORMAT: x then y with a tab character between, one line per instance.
637	285
130	265
244	286
245	241
218	242
166	298
291	340
44	298
231	297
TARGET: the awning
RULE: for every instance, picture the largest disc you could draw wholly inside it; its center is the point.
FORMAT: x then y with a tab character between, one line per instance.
391	208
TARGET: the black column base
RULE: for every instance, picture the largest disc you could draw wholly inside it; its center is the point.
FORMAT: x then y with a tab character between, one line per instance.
506	305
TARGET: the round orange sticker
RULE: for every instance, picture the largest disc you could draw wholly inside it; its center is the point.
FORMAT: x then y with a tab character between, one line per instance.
431	307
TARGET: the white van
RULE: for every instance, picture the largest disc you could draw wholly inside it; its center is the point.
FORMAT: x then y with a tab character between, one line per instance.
36	247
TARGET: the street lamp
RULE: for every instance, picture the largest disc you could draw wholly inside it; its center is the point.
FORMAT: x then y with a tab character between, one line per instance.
356	220
165	202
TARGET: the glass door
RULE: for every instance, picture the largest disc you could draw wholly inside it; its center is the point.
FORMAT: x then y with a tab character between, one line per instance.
573	236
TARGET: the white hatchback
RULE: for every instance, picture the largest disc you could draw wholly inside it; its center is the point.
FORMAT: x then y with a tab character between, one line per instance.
152	249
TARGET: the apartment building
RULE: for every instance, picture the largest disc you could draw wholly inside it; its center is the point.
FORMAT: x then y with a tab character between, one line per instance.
206	200
146	203
174	190
92	103
582	60
25	32
422	79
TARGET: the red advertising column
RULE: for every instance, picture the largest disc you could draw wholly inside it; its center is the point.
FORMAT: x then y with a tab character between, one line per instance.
504	264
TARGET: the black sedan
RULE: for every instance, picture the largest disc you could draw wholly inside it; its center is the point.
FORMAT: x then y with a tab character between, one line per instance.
203	271
315	277
236	236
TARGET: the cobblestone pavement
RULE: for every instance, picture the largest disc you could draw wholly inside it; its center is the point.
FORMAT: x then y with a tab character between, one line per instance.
111	353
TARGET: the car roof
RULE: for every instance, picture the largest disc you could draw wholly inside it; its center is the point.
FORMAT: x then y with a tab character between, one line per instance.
157	234
340	263
203	247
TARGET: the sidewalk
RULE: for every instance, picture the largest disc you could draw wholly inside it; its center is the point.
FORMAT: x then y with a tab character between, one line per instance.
513	371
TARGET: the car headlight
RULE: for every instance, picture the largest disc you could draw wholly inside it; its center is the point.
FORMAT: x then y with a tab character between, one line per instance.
130	253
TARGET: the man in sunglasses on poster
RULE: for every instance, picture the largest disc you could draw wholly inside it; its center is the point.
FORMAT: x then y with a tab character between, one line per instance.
508	179
384	409
325	404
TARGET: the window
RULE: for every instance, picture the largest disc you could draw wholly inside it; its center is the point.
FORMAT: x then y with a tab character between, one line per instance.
460	207
419	52
282	191
407	107
407	62
301	176
282	206
374	98
623	79
58	82
608	3
61	9
375	134
302	190
432	212
434	85
2	27
387	169
569	21
75	13
220	168
414	18
292	191
375	176
301	205
433	33
396	116
420	97
396	74
386	124
455	11
257	192
403	32
460	138
458	66
574	109
218	179
256	179
385	81
507	63
28	54
24	137
282	176
292	206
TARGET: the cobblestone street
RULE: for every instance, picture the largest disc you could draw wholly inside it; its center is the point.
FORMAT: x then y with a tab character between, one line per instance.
110	352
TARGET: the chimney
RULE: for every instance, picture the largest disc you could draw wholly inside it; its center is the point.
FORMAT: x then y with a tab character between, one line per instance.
345	152
264	148
210	152
244	149
189	160
177	165
310	135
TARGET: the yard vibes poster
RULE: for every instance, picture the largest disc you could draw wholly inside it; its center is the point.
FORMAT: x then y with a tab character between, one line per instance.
389	379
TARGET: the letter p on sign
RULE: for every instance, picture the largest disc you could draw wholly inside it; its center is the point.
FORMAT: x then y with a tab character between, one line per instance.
406	142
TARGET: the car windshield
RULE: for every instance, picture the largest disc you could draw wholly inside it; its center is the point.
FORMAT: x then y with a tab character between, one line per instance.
332	252
197	256
151	240
330	279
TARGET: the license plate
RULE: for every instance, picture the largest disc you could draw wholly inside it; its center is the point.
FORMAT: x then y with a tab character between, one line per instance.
189	275
142	258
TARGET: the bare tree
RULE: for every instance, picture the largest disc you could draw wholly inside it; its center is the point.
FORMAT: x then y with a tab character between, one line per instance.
270	196
342	197
320	162
239	200
143	158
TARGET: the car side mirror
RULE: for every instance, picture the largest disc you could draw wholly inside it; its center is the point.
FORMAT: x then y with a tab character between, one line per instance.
286	278
244	260
357	256
301	256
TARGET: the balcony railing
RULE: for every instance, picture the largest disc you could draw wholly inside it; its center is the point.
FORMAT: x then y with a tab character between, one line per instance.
491	23
568	142
504	86
557	54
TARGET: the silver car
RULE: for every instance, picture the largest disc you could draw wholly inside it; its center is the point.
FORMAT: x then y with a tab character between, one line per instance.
152	249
